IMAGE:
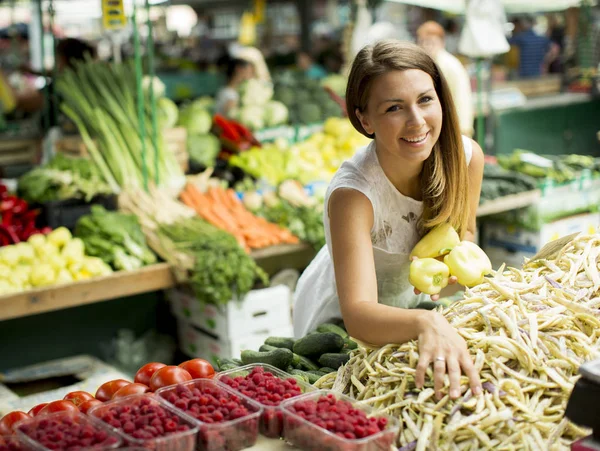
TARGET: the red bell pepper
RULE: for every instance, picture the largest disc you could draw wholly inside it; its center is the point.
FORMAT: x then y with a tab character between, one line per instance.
228	131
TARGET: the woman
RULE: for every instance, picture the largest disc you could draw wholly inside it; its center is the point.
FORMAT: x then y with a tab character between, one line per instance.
237	71
417	172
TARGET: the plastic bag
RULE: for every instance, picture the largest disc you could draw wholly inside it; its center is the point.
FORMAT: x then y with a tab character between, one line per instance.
483	32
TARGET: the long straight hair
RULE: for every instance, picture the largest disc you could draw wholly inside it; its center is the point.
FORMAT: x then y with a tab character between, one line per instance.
444	178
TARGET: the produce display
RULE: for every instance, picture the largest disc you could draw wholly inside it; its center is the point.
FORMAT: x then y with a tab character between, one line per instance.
326	421
68	431
307	100
224	210
17	220
528	330
498	182
116	238
45	260
227	421
203	147
315	159
63	178
257	109
100	99
269	387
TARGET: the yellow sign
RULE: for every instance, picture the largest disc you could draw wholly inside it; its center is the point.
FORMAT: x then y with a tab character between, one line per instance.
259	11
113	14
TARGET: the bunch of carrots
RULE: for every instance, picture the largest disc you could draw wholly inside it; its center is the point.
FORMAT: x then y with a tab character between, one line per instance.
224	210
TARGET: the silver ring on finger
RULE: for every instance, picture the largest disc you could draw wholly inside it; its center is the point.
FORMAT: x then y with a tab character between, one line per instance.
440	359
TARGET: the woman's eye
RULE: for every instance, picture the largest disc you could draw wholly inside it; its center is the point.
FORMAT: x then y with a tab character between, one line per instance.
393	108
426	99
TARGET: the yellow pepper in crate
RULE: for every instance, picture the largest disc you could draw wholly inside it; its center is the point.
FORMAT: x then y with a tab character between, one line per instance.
468	263
428	275
439	241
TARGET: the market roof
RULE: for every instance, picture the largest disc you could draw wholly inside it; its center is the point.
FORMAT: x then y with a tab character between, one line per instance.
511	6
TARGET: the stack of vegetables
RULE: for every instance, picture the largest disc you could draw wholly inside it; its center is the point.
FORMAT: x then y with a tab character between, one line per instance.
307	100
289	206
63	178
499	182
203	146
309	358
47	260
100	99
208	258
528	330
315	159
116	238
17	219
223	209
257	108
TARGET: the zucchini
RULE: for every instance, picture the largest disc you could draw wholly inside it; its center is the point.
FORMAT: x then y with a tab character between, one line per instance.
280	358
328	327
302	363
266	348
280	342
317	344
334	360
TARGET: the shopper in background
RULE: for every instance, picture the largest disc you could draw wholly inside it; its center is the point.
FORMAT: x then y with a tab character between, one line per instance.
417	172
431	36
306	64
237	71
535	51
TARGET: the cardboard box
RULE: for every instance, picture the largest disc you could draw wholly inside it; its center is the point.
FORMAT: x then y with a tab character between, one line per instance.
198	343
511	244
260	311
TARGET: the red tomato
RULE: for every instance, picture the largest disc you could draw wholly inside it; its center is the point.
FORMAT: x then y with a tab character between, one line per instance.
59	406
78	397
36	409
10	419
145	373
131	389
169	375
108	389
198	368
87	405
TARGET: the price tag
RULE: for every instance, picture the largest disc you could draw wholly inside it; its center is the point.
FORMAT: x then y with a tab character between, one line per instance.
113	15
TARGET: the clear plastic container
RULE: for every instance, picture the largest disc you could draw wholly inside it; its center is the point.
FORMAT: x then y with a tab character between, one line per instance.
310	437
13	443
26	430
271	422
176	441
228	435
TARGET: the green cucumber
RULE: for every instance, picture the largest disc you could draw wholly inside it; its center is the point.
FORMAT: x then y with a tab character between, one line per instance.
349	344
317	344
303	363
327	370
308	377
280	358
266	348
334	360
328	327
281	342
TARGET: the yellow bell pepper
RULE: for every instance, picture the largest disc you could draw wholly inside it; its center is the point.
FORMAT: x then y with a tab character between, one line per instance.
439	241
428	275
468	263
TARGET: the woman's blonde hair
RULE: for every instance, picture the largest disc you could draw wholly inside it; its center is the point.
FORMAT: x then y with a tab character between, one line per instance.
444	178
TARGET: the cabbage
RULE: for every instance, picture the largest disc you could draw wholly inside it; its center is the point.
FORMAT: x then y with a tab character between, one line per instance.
205	103
196	120
337	83
276	113
203	149
167	113
252	116
255	92
158	86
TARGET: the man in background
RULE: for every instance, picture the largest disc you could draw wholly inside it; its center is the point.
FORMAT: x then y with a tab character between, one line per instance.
535	51
431	36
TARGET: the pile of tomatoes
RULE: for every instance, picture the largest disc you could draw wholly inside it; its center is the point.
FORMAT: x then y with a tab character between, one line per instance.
149	378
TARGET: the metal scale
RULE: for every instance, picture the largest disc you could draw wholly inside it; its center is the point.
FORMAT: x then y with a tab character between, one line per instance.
583	408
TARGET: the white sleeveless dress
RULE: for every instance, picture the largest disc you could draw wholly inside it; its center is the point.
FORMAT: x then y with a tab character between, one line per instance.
393	236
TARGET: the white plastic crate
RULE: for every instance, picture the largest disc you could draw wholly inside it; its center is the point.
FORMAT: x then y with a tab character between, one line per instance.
261	310
198	343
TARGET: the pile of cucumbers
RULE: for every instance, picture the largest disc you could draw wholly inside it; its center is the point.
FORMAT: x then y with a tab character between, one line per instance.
309	358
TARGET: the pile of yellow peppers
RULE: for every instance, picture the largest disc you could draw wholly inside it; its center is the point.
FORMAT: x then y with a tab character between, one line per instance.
462	259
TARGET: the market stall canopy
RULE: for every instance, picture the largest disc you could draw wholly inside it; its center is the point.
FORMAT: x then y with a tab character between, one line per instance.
510	6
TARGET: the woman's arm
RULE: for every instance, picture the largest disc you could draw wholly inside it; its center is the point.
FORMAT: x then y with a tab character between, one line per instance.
351	220
475	179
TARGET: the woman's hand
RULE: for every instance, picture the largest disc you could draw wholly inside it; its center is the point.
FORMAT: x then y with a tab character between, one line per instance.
440	344
451	281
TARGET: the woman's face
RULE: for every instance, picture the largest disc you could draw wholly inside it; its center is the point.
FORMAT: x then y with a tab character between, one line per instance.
405	114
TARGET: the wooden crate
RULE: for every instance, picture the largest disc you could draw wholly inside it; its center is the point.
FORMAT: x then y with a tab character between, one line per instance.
20	151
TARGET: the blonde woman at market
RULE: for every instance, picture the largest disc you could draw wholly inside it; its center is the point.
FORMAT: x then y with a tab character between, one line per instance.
416	173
